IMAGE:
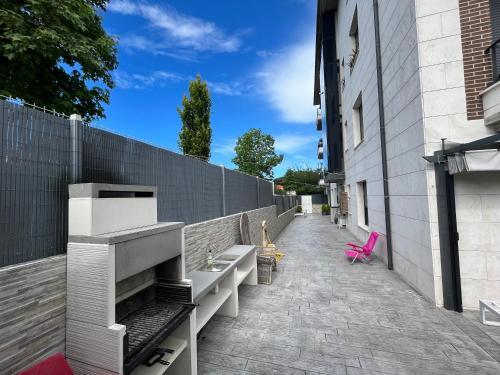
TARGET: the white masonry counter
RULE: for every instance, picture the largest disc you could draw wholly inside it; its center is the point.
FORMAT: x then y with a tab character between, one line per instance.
217	292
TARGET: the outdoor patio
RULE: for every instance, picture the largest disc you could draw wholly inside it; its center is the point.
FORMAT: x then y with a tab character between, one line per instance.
323	316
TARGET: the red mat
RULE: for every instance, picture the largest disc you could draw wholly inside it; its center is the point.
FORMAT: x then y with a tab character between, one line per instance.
54	365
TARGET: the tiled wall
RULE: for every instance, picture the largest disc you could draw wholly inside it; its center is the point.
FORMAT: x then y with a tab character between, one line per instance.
405	140
411	241
444	103
224	232
32	312
362	161
477	199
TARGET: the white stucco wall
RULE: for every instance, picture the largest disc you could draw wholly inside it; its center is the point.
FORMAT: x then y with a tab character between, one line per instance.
477	199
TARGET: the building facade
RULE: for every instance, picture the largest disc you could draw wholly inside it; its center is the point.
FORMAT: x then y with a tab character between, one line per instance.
393	79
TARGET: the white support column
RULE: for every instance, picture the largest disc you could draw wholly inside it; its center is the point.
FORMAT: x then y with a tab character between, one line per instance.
230	307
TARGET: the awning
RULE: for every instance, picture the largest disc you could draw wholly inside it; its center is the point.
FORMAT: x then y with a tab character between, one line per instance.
474	161
335	177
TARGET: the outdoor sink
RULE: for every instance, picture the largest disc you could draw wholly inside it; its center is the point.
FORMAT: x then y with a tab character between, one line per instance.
227	257
218	266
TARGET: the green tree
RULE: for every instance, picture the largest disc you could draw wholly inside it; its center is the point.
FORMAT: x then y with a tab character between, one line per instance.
302	181
56	54
255	154
195	136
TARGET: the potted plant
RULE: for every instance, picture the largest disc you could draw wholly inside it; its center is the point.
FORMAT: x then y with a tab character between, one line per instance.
325	210
298	209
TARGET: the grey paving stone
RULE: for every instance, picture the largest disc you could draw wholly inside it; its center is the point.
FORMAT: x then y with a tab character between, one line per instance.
209	369
323	315
270	368
361	371
224	360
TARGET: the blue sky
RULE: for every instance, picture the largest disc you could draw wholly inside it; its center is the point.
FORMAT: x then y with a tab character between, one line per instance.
257	57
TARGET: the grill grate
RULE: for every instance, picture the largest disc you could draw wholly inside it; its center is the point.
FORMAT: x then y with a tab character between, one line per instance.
144	323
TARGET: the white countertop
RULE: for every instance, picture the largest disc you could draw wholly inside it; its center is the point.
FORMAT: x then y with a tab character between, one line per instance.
204	281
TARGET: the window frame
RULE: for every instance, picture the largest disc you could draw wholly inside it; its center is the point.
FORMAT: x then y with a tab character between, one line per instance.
363	218
354	37
358	121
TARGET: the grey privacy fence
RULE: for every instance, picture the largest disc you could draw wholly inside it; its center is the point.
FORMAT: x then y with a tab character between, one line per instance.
285	202
40	154
34	166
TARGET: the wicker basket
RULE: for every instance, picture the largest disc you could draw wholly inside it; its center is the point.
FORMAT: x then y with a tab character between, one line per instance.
265	265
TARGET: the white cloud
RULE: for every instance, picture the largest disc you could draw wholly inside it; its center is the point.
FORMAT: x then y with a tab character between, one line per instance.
223	88
133	42
232	88
125	80
226	148
160	78
291	143
264	54
179	29
287	82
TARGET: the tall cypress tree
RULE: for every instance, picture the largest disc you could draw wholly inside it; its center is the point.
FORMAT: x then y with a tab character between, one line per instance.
195	136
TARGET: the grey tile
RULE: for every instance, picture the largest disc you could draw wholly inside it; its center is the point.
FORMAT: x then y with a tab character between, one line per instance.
209	369
316	319
270	368
224	360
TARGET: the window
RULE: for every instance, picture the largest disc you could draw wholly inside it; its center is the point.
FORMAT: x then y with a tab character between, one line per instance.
354	35
344	137
362	195
357	121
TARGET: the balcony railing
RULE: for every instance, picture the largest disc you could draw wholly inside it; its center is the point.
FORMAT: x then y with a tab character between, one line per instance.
494	49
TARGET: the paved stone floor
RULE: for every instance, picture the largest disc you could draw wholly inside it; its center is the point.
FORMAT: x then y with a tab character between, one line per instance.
323	316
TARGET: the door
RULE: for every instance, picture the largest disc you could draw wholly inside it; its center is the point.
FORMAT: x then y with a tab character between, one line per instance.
307	205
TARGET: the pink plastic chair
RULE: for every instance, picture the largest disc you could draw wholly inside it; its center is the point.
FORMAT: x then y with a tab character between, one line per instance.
362	252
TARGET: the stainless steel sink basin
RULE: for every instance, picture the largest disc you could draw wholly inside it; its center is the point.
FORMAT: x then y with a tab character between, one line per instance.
218	266
227	257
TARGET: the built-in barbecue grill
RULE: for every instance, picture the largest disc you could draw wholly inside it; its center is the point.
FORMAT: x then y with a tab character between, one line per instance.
128	304
149	324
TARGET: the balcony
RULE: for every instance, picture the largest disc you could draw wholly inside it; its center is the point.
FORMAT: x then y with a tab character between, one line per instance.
491	96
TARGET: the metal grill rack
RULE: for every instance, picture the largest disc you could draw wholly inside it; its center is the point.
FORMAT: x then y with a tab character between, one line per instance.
149	325
143	324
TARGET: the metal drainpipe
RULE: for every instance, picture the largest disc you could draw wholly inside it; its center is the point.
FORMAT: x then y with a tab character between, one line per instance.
383	149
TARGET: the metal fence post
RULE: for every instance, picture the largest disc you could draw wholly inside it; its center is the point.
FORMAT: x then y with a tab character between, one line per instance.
223	171
75	123
258	192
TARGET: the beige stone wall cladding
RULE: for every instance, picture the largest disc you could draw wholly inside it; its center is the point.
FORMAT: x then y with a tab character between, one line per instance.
32	312
224	232
444	79
477	199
